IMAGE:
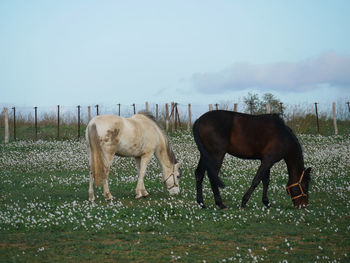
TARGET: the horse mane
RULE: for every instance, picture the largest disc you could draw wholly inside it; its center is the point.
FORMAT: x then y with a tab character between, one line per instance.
170	152
277	117
149	115
307	176
292	135
285	128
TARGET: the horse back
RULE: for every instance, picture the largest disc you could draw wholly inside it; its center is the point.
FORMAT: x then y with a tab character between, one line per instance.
243	135
258	136
125	136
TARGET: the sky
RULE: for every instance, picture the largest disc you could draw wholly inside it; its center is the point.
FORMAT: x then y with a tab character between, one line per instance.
190	51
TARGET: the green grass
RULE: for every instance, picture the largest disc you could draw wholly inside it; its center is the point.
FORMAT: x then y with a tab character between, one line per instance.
45	215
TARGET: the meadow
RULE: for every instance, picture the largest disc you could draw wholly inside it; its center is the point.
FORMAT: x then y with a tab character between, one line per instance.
45	215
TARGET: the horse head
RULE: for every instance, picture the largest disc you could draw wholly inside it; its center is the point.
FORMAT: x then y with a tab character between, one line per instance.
299	190
171	179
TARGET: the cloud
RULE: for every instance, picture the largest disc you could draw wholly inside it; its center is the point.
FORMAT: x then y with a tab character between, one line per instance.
329	69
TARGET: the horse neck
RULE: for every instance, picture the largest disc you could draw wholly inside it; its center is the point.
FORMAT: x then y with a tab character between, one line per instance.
163	156
295	163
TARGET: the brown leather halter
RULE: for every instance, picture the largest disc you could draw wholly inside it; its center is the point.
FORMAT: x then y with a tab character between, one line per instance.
297	184
174	185
172	175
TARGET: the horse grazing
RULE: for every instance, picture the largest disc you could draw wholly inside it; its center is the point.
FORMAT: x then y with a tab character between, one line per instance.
262	137
139	137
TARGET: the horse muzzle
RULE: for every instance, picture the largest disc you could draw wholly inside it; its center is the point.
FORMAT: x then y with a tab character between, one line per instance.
174	191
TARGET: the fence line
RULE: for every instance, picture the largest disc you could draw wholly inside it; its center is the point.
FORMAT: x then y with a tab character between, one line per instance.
334	119
172	120
317	122
58	121
78	121
14	122
7	132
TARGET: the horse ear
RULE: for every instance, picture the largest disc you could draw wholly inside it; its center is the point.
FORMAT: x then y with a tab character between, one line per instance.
308	170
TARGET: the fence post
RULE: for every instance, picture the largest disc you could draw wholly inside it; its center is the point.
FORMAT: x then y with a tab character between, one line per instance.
6	119
318	125
166	116
157	112
210	107
348	105
78	121
97	113
134	108
118	109
58	121
172	115
146	106
177	117
268	108
14	124
235	107
89	114
189	121
36	122
335	120
281	108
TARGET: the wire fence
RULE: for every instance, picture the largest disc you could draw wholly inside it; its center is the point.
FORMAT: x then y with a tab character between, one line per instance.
68	122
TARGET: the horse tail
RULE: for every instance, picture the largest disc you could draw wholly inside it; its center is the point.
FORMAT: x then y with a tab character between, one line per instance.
207	159
96	155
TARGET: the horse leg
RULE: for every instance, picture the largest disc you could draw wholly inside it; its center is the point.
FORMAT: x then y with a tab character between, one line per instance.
138	165
266	182
91	183
91	188
199	173
141	164
217	196
106	192
214	187
263	169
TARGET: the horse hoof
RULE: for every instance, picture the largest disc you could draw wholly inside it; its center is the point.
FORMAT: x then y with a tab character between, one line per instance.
266	203
201	205
222	206
109	197
139	196
243	204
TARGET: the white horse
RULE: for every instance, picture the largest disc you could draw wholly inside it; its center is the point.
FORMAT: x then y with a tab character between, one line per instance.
139	137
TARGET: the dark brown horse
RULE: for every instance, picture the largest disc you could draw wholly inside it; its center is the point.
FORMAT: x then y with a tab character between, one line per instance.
262	137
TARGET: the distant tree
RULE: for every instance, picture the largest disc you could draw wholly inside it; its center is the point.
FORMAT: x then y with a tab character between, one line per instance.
275	103
252	103
255	105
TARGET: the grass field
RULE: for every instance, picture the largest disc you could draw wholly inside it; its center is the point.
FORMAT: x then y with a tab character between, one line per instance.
45	215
